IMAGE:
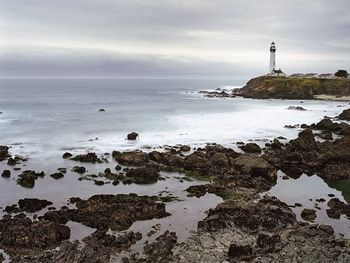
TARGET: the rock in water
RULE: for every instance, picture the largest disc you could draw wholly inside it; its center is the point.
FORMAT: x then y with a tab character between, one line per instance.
87	158
251	148
4	152
308	214
67	155
6	173
132	136
345	115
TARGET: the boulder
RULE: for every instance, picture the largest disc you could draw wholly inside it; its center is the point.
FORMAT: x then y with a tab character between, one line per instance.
132	136
57	175
32	205
144	175
67	155
304	142
87	158
131	158
4	152
117	212
79	169
251	148
308	214
22	233
6	174
345	115
254	166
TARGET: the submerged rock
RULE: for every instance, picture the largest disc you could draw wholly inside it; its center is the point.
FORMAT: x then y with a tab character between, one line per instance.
296	108
79	169
57	175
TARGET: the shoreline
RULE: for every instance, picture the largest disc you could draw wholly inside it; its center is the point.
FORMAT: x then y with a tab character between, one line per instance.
238	177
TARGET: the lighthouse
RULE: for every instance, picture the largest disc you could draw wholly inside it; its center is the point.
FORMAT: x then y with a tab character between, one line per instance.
272	57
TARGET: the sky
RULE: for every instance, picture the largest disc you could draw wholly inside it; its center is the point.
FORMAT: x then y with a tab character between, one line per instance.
171	39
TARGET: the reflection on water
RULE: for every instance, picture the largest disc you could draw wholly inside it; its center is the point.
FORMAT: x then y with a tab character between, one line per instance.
342	186
305	190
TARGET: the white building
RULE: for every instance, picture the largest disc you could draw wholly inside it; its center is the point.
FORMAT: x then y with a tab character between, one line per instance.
272	57
272	69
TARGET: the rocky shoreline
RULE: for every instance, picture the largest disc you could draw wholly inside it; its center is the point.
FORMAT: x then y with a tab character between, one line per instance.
269	87
248	226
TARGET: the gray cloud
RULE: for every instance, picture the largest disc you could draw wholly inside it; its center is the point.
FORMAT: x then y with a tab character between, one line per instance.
171	38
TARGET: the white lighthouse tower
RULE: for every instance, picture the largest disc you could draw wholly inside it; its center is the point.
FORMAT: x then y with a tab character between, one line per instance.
272	57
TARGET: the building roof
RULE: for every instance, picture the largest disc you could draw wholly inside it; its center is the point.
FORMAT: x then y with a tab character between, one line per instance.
277	71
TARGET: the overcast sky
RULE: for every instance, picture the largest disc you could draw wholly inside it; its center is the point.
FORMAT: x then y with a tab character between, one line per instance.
191	38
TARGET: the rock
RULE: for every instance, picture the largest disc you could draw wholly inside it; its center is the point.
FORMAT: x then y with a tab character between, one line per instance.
116	212
4	152
308	214
87	158
79	169
102	110
118	168
132	136
251	148
304	142
327	124
98	182
269	243
345	115
144	175
291	126
185	148
6	174
197	190
268	214
28	177
11	161
337	208
219	159
161	249
255	166
296	108
325	135
166	158
131	158
62	170
22	233
276	144
67	155
32	205
57	175
244	252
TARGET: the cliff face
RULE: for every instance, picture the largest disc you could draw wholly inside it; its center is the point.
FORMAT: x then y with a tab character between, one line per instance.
265	87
